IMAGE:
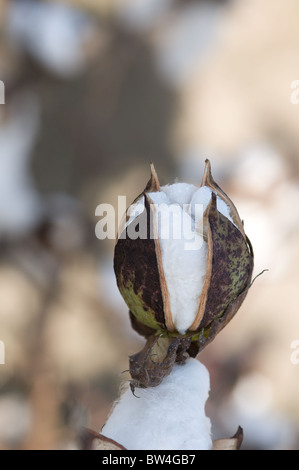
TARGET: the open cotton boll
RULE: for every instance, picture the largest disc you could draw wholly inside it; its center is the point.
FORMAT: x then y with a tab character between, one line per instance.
177	212
170	416
183	252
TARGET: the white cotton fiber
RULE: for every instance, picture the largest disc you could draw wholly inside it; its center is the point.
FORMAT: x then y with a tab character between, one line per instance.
170	416
203	196
183	251
185	272
180	193
159	197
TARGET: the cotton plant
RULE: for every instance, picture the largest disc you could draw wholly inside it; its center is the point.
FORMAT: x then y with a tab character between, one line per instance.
183	265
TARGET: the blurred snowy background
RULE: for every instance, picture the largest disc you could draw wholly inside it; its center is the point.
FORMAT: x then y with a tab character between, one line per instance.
94	90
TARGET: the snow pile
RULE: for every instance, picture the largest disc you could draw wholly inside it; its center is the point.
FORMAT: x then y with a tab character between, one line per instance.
170	416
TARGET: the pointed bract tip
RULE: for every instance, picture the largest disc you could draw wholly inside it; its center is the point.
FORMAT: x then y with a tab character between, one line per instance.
153	184
207	178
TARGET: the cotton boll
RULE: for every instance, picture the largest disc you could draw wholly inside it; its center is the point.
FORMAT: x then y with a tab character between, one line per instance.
170	416
162	280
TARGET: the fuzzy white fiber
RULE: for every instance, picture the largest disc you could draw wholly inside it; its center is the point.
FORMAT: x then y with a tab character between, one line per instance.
183	250
170	416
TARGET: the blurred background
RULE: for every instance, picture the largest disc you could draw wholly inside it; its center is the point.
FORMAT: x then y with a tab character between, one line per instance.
95	90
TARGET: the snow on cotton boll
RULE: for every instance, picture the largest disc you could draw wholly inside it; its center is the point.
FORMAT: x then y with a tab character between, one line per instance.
183	265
